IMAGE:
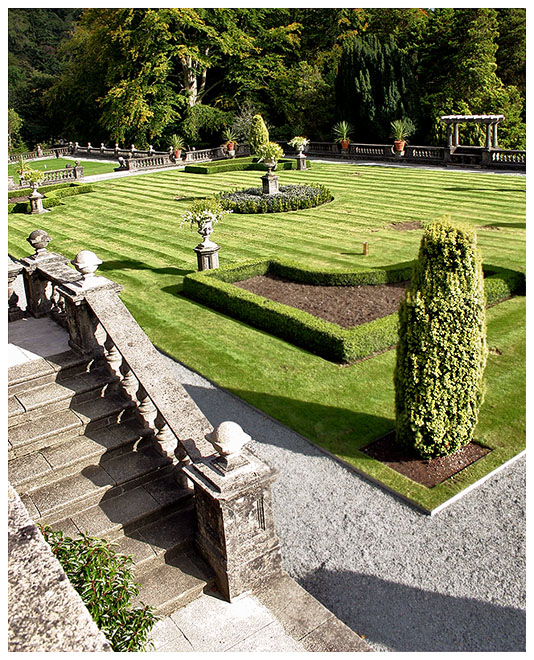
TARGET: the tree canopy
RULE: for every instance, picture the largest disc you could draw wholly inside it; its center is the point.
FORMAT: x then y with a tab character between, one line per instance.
140	75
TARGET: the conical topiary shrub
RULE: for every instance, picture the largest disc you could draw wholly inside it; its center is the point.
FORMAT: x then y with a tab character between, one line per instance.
259	135
441	353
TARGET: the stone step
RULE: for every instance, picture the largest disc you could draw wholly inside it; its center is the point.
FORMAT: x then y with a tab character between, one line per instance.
47	370
173	584
31	403
135	513
98	483
50	464
52	430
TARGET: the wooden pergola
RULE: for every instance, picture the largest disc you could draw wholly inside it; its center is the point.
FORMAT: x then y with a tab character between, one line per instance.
491	122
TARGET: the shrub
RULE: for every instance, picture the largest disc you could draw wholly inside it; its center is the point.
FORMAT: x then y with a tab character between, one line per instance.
104	580
54	195
289	198
259	135
441	352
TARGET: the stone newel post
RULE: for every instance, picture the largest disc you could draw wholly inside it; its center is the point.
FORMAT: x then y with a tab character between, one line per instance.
236	533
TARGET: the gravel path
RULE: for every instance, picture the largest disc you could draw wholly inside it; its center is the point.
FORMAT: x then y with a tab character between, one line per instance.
404	580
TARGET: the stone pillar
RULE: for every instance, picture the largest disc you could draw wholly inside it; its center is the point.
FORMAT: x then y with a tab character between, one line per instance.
207	255
449	136
301	161
81	320
269	183
38	302
495	140
235	532
488	136
455	139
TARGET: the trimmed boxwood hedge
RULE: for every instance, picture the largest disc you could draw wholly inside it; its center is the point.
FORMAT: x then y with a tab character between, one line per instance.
239	164
289	198
215	289
54	195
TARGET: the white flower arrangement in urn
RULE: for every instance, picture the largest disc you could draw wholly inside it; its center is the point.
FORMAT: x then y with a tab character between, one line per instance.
299	143
204	213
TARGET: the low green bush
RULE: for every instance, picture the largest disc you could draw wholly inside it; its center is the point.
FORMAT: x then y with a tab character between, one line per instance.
44	188
105	582
214	288
53	196
239	164
289	198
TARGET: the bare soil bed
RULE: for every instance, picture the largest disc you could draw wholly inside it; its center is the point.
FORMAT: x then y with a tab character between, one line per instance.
345	305
426	472
353	305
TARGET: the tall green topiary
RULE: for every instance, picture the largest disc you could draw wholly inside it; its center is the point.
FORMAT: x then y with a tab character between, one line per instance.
441	353
259	135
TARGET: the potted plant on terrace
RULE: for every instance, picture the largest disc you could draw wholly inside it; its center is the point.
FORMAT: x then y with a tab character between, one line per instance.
177	144
401	130
342	132
230	142
299	143
270	154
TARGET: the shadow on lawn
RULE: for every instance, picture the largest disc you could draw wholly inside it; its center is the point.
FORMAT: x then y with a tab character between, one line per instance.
220	405
409	619
134	264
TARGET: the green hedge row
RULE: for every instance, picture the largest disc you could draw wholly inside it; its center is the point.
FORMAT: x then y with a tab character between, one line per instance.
215	289
22	192
53	197
238	164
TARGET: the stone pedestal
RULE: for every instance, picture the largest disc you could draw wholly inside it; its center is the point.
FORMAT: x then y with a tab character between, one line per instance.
36	202
14	313
235	531
207	255
301	161
270	183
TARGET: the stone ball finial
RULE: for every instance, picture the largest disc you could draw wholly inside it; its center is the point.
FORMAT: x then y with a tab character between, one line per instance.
228	438
86	263
39	240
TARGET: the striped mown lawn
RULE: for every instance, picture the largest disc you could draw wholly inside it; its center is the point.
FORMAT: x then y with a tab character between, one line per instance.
133	226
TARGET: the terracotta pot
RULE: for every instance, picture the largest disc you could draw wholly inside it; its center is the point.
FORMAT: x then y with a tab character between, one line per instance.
177	153
345	144
399	145
230	146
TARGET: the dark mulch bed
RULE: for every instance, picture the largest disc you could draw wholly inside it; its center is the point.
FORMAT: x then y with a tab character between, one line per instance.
426	472
406	226
345	305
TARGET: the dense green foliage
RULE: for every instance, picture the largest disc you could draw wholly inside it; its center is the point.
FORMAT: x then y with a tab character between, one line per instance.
258	135
105	582
54	196
442	351
141	75
132	223
288	198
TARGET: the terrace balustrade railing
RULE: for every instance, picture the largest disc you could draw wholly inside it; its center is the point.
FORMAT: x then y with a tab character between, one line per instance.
101	328
462	156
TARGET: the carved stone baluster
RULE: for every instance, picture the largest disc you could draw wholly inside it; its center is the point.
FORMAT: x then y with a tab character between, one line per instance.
147	411
130	383
167	444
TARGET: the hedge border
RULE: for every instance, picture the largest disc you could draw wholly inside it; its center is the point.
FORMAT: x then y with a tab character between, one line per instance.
214	288
53	196
234	165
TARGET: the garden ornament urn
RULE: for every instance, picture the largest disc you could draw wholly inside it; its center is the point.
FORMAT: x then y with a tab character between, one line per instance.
39	241
36	200
86	263
228	439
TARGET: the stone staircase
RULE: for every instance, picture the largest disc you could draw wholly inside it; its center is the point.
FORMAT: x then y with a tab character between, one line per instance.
80	463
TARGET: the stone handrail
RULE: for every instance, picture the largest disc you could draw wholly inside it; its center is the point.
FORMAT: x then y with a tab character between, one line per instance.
232	487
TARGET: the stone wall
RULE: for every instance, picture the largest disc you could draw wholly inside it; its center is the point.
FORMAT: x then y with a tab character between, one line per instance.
45	613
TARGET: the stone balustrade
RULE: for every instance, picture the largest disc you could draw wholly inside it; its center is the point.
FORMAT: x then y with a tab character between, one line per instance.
232	487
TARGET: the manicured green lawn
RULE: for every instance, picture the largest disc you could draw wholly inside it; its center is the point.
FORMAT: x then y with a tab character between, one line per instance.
133	226
89	167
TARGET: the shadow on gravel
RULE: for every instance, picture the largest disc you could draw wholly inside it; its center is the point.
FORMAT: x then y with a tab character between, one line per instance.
218	406
404	618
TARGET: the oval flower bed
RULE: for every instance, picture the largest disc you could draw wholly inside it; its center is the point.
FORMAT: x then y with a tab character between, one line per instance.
289	198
